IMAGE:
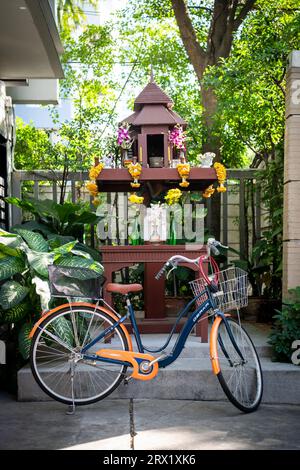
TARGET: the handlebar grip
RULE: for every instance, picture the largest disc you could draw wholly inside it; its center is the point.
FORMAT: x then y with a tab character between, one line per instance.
162	271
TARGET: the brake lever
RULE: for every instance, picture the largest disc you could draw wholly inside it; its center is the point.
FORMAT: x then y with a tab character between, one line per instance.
169	272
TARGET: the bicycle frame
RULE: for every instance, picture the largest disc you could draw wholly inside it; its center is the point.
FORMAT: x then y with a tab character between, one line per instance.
180	342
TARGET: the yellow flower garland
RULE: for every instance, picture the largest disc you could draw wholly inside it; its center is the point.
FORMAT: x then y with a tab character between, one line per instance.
92	186
221	175
208	192
184	171
135	169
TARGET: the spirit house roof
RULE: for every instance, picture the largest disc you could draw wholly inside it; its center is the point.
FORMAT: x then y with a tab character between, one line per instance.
153	106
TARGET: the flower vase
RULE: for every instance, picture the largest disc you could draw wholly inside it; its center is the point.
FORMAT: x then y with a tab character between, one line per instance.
135	237
172	234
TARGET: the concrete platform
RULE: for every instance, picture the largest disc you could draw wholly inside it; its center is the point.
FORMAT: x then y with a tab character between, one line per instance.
191	377
147	424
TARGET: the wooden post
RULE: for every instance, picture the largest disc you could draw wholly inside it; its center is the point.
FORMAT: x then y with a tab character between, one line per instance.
291	206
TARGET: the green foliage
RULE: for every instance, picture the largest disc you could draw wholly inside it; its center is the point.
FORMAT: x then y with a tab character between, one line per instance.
55	220
250	84
25	257
286	328
11	294
10	266
63	328
24	340
16	313
33	149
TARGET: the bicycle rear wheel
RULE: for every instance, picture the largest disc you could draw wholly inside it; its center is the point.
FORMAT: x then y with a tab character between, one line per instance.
57	364
240	377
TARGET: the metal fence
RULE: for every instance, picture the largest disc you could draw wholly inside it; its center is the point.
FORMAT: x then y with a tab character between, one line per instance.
242	214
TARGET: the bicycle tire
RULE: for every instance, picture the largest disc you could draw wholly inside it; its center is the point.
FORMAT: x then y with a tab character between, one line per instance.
233	374
37	369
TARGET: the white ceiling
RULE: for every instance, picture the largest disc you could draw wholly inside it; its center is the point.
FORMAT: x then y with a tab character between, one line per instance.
29	40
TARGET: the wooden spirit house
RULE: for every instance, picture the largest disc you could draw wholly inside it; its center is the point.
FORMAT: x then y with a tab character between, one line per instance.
150	123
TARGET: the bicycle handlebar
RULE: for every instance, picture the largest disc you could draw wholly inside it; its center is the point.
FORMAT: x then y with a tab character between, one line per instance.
212	245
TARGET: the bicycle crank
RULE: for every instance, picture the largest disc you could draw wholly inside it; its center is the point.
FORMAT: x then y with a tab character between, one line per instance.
145	366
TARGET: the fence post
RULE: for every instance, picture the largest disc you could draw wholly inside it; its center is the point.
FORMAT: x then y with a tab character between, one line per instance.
16	213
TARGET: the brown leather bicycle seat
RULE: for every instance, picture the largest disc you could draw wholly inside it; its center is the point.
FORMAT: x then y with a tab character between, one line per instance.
123	288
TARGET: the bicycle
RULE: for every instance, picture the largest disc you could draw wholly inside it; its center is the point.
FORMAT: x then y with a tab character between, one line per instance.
82	351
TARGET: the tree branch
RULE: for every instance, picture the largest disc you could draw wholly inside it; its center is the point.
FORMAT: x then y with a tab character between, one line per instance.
195	52
249	4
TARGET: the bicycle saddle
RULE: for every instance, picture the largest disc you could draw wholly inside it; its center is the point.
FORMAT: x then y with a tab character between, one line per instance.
123	288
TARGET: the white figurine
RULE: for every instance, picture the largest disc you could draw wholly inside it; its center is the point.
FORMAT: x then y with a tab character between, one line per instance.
108	161
207	159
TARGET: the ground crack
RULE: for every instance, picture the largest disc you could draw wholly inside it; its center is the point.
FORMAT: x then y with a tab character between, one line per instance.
132	426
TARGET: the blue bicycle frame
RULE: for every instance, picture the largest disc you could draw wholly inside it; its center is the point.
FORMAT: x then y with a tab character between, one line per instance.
178	346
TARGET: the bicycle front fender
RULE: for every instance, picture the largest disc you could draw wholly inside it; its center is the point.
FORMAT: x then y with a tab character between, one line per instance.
213	341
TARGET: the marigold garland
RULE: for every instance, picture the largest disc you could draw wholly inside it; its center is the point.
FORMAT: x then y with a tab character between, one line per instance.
92	186
208	192
184	171
135	169
173	196
95	171
221	175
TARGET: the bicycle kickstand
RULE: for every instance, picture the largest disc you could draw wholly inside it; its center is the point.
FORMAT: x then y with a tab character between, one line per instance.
72	408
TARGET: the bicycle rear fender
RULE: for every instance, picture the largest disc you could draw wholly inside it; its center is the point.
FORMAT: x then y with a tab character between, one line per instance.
83	304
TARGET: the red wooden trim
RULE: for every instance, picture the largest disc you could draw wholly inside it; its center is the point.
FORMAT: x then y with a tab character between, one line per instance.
156	174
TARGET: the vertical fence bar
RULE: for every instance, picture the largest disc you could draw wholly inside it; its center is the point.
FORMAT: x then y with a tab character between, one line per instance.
225	217
73	191
36	189
258	211
16	188
209	214
54	191
242	225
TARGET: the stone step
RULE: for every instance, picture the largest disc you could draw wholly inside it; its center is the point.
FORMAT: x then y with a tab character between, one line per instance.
188	379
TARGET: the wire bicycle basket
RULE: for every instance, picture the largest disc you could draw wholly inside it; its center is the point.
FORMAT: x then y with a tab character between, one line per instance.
232	290
75	282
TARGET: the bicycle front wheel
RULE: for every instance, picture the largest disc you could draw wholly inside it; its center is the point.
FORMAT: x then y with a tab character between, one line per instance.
58	365
236	364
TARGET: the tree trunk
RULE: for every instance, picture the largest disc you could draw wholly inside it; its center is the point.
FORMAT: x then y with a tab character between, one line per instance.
226	18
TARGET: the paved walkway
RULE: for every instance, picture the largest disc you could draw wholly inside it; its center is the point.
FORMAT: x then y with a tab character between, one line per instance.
147	424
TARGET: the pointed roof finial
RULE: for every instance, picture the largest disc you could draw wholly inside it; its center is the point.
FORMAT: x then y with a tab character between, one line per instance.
151	74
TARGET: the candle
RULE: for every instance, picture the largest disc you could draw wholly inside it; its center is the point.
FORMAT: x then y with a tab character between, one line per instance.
141	153
169	154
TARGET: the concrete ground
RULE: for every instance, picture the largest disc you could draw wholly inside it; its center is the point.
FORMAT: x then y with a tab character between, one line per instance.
126	424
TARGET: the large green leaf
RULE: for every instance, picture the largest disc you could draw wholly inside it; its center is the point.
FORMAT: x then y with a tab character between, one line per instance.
24	340
40	261
95	254
34	240
34	226
93	269
63	329
56	240
9	251
10	266
11	240
17	313
64	249
11	294
86	217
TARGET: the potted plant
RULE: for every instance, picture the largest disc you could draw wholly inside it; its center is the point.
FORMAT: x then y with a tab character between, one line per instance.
263	298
